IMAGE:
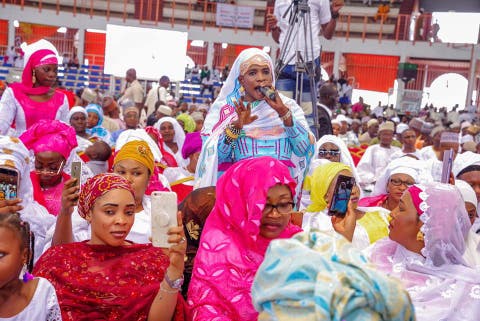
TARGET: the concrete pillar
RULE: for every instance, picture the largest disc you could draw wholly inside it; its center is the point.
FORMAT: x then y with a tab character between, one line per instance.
81	46
336	63
471	76
210	54
11	33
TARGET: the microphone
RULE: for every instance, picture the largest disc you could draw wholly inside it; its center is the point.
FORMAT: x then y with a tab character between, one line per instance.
268	92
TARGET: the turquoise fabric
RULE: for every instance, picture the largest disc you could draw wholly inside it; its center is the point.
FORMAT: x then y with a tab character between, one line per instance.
320	276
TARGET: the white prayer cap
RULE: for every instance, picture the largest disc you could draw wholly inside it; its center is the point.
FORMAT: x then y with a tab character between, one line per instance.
401	128
341	118
465	160
469	147
465	124
372	122
365	119
355	120
455	125
449	137
396	119
404	165
349	120
167	111
468	194
436	130
88	95
41	44
336	122
387	125
197	115
466	138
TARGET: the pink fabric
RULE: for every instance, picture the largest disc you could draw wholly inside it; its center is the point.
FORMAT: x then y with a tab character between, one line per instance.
442	285
371	201
39	58
193	144
231	248
357	107
50	136
415	191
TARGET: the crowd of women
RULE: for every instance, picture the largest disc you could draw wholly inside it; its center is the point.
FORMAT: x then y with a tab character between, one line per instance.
254	238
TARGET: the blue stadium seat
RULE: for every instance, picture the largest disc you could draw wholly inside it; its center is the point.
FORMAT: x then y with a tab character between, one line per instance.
69	84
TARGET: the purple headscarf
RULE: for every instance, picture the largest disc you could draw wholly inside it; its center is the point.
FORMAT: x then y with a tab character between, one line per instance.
193	144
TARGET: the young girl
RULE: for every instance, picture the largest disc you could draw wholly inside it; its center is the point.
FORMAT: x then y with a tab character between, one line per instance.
30	298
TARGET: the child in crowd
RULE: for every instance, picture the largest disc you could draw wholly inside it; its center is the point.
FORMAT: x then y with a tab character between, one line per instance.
30	298
96	157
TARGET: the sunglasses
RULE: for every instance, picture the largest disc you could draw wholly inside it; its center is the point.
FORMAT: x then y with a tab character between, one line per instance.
327	152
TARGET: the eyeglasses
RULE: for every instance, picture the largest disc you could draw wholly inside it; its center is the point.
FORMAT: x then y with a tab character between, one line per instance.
398	182
282	208
50	172
328	152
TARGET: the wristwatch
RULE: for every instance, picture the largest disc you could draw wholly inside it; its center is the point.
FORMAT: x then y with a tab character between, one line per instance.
175	284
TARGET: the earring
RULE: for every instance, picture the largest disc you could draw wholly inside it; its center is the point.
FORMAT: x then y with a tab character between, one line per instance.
241	90
34	79
26	276
420	236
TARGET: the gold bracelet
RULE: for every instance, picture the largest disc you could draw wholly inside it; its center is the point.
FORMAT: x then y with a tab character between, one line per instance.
287	115
230	134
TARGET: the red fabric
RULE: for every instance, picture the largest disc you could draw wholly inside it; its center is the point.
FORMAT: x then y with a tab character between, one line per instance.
154	184
182	191
372	201
37	189
70	96
101	282
357	153
167	158
38	58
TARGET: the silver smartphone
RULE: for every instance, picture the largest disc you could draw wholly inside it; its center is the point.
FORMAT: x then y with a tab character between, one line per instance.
76	171
164	216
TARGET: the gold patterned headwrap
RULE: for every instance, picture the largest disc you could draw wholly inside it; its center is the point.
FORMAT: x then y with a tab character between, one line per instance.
254	60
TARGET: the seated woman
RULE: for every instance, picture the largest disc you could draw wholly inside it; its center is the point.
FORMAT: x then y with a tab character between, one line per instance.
173	138
253	206
471	201
429	234
167	159
52	143
27	298
35	97
319	276
14	154
244	123
78	120
94	124
187	122
135	162
108	277
181	179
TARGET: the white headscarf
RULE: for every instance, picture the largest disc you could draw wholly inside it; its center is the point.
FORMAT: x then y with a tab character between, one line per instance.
223	113
468	194
14	153
77	109
465	160
179	137
404	165
139	134
345	156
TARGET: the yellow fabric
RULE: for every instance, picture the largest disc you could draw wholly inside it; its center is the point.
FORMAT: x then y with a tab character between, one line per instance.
375	225
319	182
137	150
183	180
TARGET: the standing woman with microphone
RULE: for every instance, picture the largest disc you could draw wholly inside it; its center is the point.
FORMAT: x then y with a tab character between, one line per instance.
251	119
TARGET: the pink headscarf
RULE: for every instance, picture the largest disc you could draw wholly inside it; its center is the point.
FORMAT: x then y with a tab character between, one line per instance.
231	247
193	144
50	136
415	191
38	58
98	185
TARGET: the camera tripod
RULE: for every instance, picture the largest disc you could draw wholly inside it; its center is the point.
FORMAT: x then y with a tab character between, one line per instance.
300	20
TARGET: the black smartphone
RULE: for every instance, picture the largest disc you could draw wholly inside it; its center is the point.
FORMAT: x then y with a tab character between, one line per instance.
9	182
76	171
341	196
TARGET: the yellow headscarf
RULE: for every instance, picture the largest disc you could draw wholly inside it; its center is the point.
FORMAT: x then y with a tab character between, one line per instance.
137	150
319	182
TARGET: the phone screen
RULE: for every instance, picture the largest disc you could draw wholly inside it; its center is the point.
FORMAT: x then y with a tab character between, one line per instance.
76	171
341	196
8	183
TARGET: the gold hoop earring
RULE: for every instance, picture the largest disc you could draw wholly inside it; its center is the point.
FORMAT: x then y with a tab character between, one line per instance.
34	79
420	236
241	90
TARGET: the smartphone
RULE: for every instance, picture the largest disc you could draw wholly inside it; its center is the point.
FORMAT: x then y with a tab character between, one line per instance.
341	196
447	165
164	216
9	183
76	171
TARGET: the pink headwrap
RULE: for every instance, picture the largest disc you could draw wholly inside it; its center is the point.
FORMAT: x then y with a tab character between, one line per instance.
98	185
50	136
193	144
38	58
415	191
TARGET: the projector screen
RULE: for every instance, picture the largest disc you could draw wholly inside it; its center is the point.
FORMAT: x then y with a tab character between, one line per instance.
152	52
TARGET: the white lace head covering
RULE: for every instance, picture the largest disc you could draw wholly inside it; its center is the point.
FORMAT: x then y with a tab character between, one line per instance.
179	137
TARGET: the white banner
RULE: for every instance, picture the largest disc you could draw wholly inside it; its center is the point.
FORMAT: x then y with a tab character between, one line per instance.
235	16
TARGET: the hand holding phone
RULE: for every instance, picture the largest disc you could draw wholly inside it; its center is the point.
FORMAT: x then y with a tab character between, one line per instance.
76	172
341	196
164	216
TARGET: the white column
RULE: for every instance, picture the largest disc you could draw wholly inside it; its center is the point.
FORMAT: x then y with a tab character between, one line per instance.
336	63
11	33
210	53
81	45
471	76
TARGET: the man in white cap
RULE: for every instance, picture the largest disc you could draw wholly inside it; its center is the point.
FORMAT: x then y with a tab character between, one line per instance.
376	157
408	138
372	131
348	137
